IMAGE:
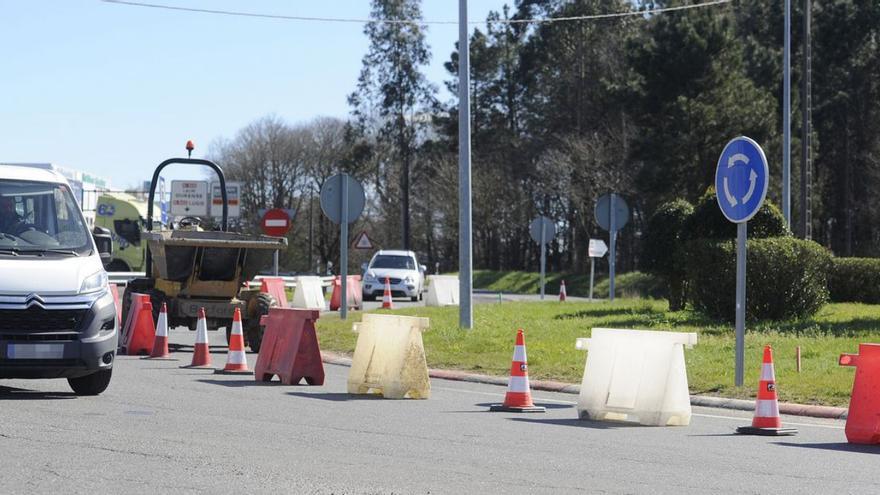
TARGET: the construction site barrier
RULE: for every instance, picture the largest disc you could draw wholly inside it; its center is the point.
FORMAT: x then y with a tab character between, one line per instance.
114	289
138	333
275	287
863	420
308	294
290	348
442	290
354	294
636	376
389	357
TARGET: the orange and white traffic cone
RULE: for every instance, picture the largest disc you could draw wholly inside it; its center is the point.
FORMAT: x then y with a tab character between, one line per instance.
201	353
562	291
160	341
236	359
519	394
766	420
386	297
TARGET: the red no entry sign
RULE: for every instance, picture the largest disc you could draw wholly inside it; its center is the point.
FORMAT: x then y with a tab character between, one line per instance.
276	222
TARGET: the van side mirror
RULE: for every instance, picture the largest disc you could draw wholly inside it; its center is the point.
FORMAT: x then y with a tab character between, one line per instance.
104	243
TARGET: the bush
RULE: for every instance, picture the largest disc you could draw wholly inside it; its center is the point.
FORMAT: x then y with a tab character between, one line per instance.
785	278
855	280
661	252
707	221
632	284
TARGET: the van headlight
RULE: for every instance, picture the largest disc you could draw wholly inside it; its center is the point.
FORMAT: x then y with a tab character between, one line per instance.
95	282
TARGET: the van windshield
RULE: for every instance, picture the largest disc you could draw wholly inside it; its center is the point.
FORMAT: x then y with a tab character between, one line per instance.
40	218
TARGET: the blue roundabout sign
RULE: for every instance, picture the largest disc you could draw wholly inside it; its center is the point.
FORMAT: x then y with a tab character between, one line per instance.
741	179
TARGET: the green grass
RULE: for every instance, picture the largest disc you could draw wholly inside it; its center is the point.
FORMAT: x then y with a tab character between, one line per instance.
632	284
552	327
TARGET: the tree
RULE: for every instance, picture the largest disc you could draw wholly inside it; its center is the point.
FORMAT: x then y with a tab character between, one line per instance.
393	97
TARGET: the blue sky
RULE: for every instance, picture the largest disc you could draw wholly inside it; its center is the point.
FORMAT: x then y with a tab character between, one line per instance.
113	90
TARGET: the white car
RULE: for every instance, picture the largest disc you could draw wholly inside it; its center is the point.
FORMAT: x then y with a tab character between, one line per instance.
403	271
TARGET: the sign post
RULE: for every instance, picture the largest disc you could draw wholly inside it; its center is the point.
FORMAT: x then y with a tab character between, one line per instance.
276	222
542	230
342	201
612	214
741	180
597	249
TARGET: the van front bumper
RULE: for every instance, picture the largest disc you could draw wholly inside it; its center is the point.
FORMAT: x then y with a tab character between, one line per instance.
35	350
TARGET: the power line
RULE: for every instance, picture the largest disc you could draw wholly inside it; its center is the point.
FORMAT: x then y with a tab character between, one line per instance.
417	22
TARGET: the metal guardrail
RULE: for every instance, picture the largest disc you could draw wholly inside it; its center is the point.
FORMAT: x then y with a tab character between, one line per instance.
121	279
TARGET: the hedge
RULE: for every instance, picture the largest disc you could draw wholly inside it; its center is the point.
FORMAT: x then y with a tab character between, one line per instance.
785	278
855	280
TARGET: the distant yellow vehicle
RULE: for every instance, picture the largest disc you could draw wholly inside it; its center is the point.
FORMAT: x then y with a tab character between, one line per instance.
124	215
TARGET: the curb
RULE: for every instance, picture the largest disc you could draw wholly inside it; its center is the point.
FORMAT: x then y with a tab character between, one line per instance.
788	408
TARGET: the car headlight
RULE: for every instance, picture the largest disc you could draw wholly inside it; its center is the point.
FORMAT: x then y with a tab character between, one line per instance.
95	282
409	279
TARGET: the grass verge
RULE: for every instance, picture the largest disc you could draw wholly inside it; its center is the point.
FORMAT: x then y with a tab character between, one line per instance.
631	284
552	327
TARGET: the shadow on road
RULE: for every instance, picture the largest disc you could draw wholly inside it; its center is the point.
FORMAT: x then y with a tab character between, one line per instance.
579	423
546	406
237	383
12	393
338	396
838	446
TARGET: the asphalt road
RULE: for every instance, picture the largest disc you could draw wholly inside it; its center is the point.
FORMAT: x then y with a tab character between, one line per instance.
162	428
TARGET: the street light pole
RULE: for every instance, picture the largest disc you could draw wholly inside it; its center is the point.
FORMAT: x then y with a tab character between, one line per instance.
786	118
465	264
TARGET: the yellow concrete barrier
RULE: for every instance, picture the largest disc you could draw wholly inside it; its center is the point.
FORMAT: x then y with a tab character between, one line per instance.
442	290
389	357
636	376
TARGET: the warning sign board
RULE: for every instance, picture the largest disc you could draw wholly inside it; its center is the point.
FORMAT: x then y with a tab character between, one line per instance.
189	198
361	241
233	199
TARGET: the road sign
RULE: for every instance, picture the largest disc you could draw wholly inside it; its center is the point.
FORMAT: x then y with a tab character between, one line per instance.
362	241
741	179
233	199
597	248
276	222
542	230
549	230
603	211
342	200
331	195
189	198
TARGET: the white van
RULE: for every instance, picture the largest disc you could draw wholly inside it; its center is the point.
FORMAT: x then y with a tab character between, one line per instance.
57	314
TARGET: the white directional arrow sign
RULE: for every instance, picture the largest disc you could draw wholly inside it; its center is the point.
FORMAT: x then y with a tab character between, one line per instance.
597	248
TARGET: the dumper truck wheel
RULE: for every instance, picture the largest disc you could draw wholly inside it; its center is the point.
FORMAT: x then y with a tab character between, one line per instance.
254	331
142	286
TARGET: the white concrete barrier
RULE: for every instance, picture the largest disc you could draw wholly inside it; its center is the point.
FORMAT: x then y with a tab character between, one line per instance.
389	357
636	376
442	290
308	294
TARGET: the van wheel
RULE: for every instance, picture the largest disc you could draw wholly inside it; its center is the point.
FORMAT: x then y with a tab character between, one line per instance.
92	384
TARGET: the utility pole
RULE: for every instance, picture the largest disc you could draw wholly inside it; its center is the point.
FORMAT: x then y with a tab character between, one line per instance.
786	118
465	266
806	129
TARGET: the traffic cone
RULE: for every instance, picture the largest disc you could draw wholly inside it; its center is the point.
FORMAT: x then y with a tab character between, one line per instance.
236	359
201	353
562	291
160	341
519	394
766	420
386	298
